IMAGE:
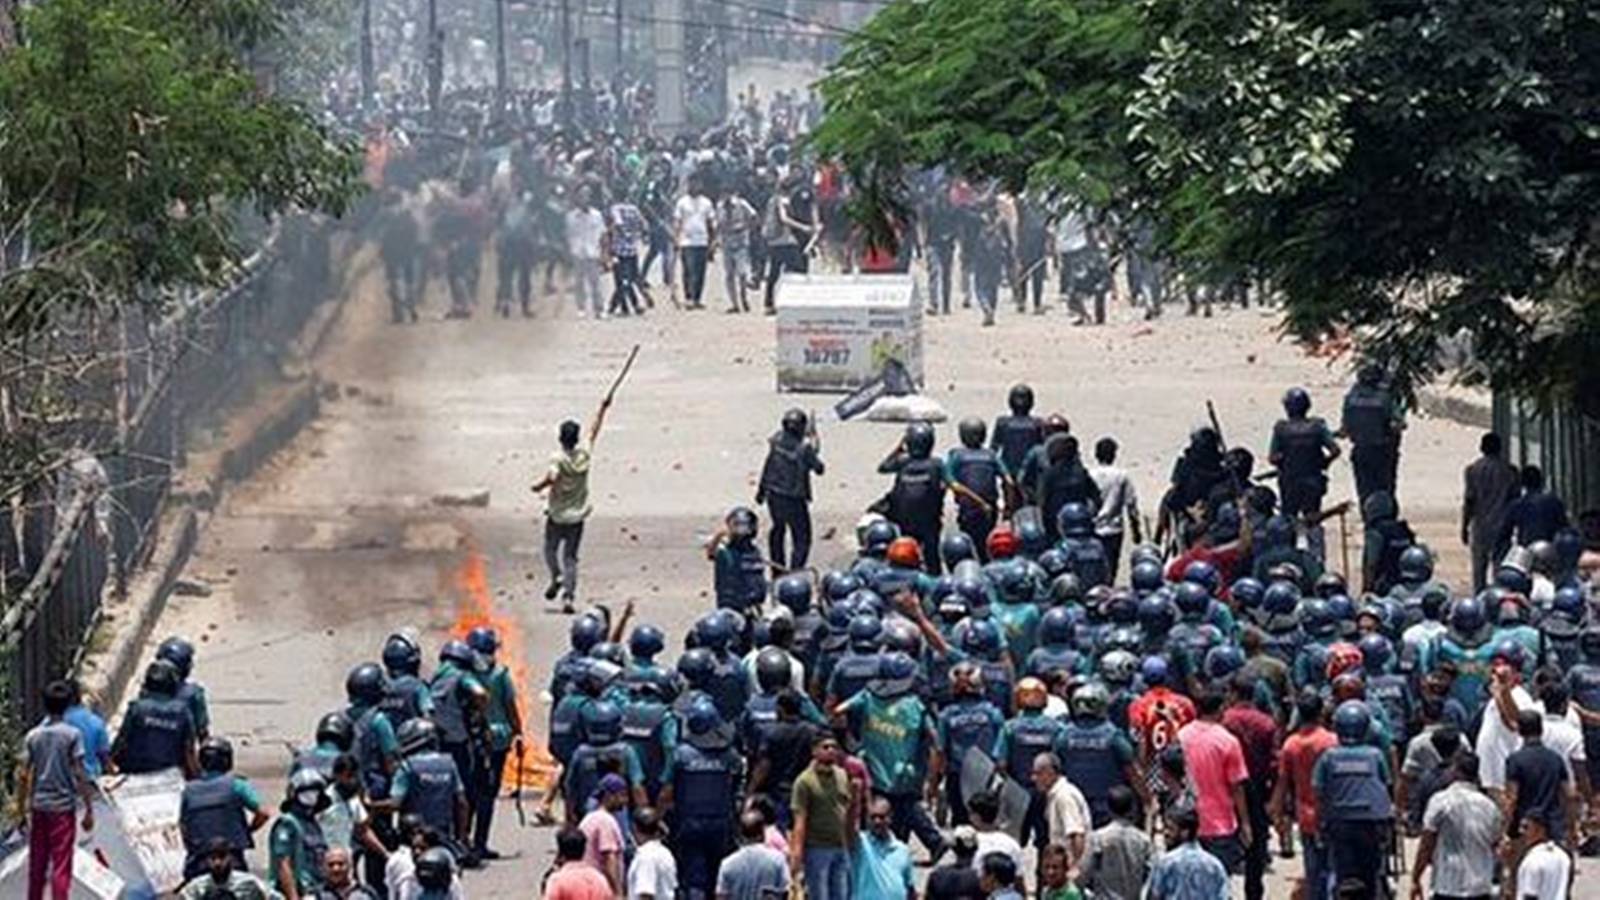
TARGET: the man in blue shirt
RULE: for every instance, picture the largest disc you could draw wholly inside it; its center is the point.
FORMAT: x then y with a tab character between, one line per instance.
882	864
1186	872
96	739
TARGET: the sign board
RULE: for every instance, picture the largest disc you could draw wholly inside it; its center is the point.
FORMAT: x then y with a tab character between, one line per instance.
91	880
836	331
137	833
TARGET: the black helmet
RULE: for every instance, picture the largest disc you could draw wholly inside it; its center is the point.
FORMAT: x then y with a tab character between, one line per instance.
458	653
793	592
919	440
435	868
1416	564
837	585
484	639
794	422
1296	402
161	677
646	642
1370	375
586	631
336	728
742	522
402	655
216	755
1066	588
602	722
366	685
697	667
306	781
774	672
1020	400
901	636
417	735
880	535
972	432
1331	584
180	653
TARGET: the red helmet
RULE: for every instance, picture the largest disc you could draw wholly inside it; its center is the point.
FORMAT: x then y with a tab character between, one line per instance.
905	551
1342	658
1002	542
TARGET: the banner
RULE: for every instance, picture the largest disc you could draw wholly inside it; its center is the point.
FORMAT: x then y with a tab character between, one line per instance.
835	333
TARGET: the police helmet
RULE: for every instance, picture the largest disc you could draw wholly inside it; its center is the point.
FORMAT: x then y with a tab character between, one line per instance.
435	869
1001	543
417	736
919	440
1030	693
1569	603
1153	671
1157	615
1318	618
1376	653
1020	400
458	653
1416	564
742	523
402	655
1222	661
608	651
900	636
1144	553
307	781
1204	574
1342	607
774	672
484	640
161	678
646	642
837	585
697	667
866	632
1543	558
1513	579
1281	598
712	632
794	422
1119	667
180	653
1248	593
1056	627
897	673
879	536
1351	722
1278	531
703	717
602	722
1066	589
1192	599
1075	520
981	639
586	631
1090	701
905	552
1468	617
1511	653
1054	562
337	730
1147	576
1122	607
972	431
1123	637
366	685
1330	584
216	755
838	617
867	600
1296	402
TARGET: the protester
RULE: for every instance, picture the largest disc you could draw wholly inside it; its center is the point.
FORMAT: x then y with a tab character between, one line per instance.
54	781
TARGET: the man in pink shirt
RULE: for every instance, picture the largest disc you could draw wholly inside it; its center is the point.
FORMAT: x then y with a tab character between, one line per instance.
602	832
575	879
1294	797
1215	764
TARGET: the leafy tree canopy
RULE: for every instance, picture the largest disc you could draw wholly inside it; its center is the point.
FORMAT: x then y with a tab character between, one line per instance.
1404	169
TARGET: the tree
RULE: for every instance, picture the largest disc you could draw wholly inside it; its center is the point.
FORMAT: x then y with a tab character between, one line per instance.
1405	170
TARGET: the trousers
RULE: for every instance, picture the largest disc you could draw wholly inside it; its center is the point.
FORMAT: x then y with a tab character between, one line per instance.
489	781
561	542
51	840
827	873
694	274
791	516
911	816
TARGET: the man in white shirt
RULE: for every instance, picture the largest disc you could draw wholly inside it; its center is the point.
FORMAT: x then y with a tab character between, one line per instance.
1565	736
1119	502
1546	869
1066	812
983	808
694	219
653	874
1497	736
586	226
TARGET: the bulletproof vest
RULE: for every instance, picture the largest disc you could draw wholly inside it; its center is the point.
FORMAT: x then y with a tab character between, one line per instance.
892	581
642	723
1353	790
589	763
1088	761
1300	442
760	714
1063	483
449	713
212	809
967	723
368	752
1031	735
1393	694
852	673
1014	436
156	729
978	471
1086	558
1190	641
431	791
997	683
1284	644
918	494
729	688
402	703
785	473
746	585
1366	415
564	726
317	760
703	781
1045	660
809	630
312	840
567	670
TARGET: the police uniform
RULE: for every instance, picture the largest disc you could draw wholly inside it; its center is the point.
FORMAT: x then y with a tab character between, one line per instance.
706	772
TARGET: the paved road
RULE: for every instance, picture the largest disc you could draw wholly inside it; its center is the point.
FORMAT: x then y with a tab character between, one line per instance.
335	543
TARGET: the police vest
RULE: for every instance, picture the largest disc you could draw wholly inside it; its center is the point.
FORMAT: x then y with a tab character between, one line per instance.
917	498
785	473
643	724
588	764
744	584
1393	694
1090	763
1353	788
1031	735
403	701
852	673
1300	444
432	780
211	808
729	688
1045	660
564	722
703	781
979	472
313	847
449	712
1015	436
760	714
997	683
968	723
367	749
1366	415
567	671
157	731
1086	558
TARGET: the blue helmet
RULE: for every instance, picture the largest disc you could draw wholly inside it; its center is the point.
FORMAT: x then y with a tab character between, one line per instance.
646	642
879	536
897	666
607	651
1511	653
402	655
1066	589
972	590
867	600
180	653
1248	593
793	592
602	722
1416	564
1122	637
982	639
866	632
837	585
702	717
1468	617
955	547
1204	574
1296	402
1011	580
839	616
1147	576
1153	671
1318	618
1513	578
712	632
1342	607
1569	603
1281	598
458	653
1330	584
1376	653
900	636
484	640
586	631
1351	722
698	667
1278	532
1056	627
1222	661
1054	562
1156	615
1192	599
1075	520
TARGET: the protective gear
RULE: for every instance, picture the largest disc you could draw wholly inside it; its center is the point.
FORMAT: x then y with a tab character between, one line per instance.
972	432
1204	574
1119	668
1248	593
1514	580
460	655
905	552
1020	400
305	784
1296	402
1468	619
402	655
1222	662
1030	693
483	640
982	639
1416	564
606	651
837	585
1376	653
1090	701
866	632
365	685
161	678
1342	658
1351	722
1153	671
1157	615
1056	627
1032	539
1002	543
1075	520
180	653
1054	562
1330	585
1511	653
794	422
210	809
1569	603
1318	618
1066	589
435	869
336	730
697	667
1192	600
1282	598
646	642
602	723
900	636
742	523
956	547
712	632
417	736
919	440
774	672
879	536
585	631
897	675
1147	577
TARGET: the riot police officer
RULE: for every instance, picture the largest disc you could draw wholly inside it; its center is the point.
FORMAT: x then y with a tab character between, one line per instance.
739	574
157	730
1373	423
650	728
859	664
976	476
334	737
1017	433
969	722
1021	741
703	797
429	785
1302	448
407	696
504	721
180	653
793	593
1352	783
785	487
586	631
296	843
1095	754
460	705
1086	555
1064	482
218	804
916	501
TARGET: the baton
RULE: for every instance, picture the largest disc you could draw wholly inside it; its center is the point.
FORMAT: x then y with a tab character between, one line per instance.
617	382
516	794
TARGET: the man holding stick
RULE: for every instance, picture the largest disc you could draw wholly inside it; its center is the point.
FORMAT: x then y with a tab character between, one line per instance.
567	506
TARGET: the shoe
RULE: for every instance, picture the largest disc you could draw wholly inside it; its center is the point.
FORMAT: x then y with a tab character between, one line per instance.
487	855
567	608
551	591
470	861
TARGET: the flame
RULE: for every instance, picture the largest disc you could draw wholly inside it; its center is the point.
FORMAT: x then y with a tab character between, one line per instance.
475	607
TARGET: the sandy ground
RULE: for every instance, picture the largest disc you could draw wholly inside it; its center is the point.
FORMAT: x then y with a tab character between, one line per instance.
335	544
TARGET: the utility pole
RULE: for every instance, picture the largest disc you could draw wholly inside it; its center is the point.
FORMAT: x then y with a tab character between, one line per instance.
499	56
566	63
435	59
368	78
622	67
669	65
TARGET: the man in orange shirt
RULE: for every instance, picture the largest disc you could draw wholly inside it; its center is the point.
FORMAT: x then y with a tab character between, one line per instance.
1155	716
573	878
1296	761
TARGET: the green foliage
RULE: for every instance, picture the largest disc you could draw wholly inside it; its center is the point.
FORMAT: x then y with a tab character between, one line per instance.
1404	169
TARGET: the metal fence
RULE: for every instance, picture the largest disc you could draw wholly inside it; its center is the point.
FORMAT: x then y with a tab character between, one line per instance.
1563	442
83	533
